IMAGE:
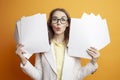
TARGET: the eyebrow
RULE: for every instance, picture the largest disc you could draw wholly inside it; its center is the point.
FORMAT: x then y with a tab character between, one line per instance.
57	17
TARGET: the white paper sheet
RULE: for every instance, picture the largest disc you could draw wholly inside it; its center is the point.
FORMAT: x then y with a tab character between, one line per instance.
85	32
33	34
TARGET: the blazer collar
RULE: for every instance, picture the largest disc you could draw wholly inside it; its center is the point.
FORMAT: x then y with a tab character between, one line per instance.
51	59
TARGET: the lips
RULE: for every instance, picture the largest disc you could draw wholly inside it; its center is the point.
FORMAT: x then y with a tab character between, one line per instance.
58	28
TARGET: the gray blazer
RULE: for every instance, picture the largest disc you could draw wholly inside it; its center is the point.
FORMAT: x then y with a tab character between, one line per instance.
45	67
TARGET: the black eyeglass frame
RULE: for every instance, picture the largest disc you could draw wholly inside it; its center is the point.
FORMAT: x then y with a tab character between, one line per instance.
57	20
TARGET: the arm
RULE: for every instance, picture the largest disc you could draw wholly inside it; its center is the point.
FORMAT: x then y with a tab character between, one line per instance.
92	66
35	72
87	70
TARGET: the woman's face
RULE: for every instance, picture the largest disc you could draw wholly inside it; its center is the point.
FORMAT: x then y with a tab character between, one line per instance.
59	22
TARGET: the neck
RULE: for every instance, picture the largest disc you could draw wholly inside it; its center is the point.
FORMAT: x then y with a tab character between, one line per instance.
58	38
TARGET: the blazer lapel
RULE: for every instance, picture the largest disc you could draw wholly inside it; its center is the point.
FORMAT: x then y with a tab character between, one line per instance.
51	59
67	67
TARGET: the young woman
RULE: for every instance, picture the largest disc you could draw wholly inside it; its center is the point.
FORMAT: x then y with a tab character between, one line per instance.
57	64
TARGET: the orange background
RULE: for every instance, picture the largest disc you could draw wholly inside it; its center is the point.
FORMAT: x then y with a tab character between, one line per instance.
12	10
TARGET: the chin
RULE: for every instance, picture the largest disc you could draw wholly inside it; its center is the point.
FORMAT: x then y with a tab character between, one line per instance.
59	33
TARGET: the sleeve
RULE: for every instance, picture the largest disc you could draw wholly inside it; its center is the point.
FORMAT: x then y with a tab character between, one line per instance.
35	72
87	70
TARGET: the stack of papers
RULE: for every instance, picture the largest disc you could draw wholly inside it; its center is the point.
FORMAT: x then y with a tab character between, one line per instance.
32	32
85	32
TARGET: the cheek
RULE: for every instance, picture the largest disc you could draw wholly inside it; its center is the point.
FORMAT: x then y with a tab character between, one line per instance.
53	26
64	28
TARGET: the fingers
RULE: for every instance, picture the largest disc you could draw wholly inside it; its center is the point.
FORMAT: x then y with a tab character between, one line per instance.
93	52
19	45
93	48
19	50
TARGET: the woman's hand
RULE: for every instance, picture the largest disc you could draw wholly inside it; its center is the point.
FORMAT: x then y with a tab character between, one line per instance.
20	53
94	53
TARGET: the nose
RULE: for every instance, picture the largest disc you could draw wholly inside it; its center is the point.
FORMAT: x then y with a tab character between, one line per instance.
58	21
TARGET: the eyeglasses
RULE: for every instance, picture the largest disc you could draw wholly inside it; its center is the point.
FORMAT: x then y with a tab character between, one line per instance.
63	20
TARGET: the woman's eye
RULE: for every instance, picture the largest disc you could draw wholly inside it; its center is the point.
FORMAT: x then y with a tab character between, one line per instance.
63	19
54	19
